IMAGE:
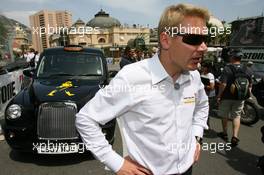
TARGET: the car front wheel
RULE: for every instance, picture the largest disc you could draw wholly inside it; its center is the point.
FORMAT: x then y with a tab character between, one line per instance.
249	115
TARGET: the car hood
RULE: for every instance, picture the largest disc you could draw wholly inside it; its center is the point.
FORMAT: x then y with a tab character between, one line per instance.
64	90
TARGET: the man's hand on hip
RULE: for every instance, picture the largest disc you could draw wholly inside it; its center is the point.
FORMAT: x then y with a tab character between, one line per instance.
197	152
130	167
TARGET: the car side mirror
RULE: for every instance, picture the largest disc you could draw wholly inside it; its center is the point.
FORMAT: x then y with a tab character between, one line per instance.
112	73
3	71
28	73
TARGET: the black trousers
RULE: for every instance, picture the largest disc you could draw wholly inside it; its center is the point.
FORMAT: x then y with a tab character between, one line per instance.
188	172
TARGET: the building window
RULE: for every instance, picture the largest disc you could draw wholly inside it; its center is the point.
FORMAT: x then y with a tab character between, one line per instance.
82	44
101	40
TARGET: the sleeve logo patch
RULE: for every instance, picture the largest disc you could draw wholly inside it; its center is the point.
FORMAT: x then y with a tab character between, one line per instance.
188	100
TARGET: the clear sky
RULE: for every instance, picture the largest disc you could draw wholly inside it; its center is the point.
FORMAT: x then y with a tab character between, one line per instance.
141	12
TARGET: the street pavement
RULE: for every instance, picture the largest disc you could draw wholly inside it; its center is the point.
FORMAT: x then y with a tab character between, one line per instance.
241	160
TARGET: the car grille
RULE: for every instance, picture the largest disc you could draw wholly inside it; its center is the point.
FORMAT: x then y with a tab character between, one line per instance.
56	121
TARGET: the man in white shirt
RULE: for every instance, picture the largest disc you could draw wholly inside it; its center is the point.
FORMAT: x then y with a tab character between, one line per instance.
31	58
160	102
36	57
30	54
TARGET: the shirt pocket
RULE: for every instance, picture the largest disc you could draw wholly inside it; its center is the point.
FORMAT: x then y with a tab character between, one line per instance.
155	110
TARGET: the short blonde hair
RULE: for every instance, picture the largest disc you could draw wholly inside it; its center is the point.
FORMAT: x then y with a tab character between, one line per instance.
174	15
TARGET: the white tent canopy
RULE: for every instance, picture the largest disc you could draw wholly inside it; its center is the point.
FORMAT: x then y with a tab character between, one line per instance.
214	49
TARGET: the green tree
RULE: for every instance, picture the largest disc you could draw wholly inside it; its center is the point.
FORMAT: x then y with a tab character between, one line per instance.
3	33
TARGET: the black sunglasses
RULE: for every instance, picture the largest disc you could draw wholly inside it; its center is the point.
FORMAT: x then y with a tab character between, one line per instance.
193	39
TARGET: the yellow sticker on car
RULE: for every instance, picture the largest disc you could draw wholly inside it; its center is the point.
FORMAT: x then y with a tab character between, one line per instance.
63	87
52	93
69	93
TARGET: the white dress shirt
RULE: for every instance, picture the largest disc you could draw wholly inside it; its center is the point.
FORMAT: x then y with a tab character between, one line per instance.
211	78
30	55
160	118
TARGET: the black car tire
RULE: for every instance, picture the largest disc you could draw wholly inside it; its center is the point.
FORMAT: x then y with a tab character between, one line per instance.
249	115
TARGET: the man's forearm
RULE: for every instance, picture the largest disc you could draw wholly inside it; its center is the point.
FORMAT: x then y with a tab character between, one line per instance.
221	90
95	142
200	114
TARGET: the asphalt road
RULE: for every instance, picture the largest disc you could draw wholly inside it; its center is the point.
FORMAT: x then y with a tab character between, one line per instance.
240	160
14	163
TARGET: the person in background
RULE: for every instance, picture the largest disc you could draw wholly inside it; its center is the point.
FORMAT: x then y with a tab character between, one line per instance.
36	57
208	80
250	69
31	57
133	55
140	55
154	51
146	55
24	55
229	105
127	57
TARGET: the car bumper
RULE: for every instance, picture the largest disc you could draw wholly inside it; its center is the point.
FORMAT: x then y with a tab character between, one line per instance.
25	139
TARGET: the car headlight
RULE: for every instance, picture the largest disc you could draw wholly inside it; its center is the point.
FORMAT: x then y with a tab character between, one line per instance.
13	111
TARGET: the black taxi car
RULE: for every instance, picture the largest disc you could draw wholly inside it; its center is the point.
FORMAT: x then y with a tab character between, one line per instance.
41	118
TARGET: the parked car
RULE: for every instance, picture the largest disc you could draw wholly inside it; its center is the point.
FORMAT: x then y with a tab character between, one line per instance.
258	87
254	105
41	118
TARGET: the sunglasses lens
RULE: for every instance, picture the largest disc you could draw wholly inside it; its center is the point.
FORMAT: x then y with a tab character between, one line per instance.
193	39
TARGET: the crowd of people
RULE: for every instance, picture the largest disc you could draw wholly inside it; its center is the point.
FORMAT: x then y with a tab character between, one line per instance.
32	57
224	96
131	55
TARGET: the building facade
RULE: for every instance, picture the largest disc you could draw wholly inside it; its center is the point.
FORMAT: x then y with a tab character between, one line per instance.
103	32
44	23
21	40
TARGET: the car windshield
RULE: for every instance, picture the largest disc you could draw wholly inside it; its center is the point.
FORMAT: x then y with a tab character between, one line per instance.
258	67
70	64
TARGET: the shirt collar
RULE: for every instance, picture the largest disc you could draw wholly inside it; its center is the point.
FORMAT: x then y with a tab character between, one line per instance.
184	78
158	73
